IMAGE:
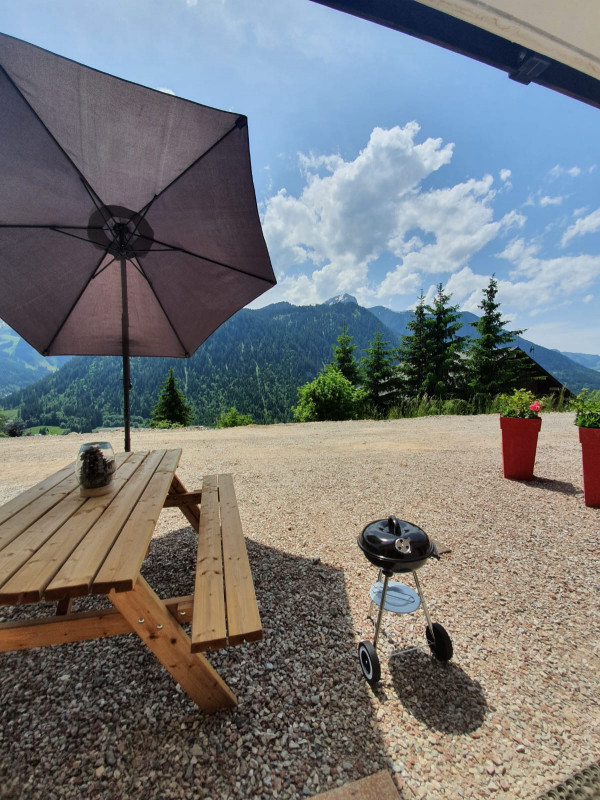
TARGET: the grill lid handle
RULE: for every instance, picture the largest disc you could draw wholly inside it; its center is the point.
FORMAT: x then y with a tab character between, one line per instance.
394	525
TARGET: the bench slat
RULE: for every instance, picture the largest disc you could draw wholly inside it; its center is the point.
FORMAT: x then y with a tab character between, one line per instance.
208	626
243	619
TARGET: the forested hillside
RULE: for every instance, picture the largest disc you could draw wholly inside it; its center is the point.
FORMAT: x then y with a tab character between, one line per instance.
254	362
20	364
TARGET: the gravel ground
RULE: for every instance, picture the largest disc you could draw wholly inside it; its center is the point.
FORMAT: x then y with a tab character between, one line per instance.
516	711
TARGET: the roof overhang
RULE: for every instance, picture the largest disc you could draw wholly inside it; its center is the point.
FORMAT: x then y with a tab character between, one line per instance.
549	42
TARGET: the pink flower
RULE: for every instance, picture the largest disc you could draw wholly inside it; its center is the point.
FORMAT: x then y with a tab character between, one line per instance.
535	406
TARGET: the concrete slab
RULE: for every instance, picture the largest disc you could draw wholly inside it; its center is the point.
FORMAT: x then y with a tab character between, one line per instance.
379	786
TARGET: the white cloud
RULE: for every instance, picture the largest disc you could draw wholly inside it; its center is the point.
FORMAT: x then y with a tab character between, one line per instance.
583	225
557	171
352	212
505	174
588	298
550	201
165	90
537	282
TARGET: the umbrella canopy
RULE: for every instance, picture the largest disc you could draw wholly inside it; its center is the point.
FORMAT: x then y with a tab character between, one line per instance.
128	219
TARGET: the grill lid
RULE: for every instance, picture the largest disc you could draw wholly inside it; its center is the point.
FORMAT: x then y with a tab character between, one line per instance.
394	542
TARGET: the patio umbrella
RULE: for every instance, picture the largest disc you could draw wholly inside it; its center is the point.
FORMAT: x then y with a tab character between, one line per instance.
128	219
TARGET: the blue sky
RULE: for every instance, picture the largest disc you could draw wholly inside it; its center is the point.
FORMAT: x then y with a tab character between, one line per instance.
383	165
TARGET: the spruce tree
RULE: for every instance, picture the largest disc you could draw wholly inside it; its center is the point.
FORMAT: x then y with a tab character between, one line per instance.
171	407
492	368
380	380
446	374
344	359
414	352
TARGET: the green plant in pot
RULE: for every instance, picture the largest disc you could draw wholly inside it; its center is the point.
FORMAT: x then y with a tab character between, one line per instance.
587	419
520	424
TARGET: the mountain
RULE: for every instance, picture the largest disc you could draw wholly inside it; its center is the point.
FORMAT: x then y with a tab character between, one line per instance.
589	361
397	321
341	298
255	362
20	364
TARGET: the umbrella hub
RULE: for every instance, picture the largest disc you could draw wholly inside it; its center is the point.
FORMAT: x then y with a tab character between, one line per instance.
120	231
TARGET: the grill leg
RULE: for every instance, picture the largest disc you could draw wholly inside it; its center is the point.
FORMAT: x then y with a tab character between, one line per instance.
381	606
424	604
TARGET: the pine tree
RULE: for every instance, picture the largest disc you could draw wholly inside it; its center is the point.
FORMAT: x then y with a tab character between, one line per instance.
380	380
344	359
492	369
446	374
171	407
414	352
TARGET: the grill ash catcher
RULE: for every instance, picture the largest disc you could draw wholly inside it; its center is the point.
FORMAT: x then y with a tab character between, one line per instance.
397	547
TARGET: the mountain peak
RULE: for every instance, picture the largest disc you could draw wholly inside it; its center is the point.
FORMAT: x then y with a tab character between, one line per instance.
341	298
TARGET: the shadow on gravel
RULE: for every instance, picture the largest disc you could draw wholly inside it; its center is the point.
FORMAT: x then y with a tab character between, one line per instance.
441	695
564	487
103	719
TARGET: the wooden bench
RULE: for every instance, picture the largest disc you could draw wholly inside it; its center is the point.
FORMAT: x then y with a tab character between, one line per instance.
225	611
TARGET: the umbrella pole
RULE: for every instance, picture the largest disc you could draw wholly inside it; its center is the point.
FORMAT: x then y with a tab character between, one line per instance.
126	403
125	339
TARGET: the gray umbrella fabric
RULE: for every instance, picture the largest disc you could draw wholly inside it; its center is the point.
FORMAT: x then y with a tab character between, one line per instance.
128	218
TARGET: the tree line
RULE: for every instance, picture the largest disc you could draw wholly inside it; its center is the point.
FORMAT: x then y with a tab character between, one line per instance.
432	361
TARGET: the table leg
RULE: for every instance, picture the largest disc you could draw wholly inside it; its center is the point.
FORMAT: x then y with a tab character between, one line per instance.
150	619
191	511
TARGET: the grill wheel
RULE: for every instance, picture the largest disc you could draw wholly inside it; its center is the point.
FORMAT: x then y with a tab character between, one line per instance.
441	645
369	662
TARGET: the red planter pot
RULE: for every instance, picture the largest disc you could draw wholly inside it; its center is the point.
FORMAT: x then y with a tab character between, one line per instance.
519	443
590	453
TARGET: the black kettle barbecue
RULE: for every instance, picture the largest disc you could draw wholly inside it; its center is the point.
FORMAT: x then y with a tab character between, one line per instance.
396	547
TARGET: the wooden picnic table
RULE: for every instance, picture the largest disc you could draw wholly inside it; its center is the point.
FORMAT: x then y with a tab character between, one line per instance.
56	545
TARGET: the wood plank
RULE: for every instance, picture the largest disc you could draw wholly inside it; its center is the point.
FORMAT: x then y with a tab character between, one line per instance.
79	570
150	620
39	506
24	546
122	565
243	618
28	501
24	499
189	510
209	628
183	499
28	583
81	626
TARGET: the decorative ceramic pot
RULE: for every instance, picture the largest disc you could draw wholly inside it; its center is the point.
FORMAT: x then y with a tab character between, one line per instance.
590	454
519	444
95	467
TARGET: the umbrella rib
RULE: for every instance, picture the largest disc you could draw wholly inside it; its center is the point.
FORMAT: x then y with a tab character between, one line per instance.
95	275
100	207
74	235
140	269
45	127
77	299
141	216
240	122
211	260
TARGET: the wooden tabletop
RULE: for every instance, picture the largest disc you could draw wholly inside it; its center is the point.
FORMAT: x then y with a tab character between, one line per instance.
56	544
